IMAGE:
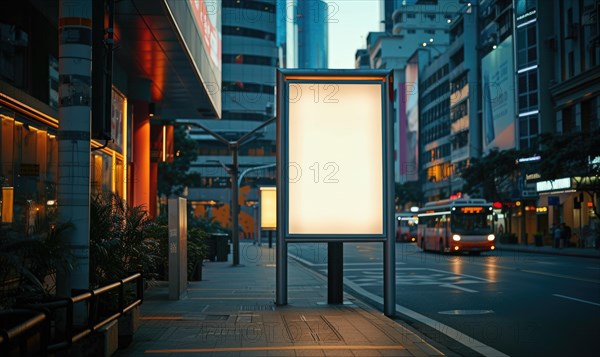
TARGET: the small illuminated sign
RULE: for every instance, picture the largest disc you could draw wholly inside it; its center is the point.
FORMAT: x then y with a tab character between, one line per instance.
533	176
471	210
529	159
560	184
268	208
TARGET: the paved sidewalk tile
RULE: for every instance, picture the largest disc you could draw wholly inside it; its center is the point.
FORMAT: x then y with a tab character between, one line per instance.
232	313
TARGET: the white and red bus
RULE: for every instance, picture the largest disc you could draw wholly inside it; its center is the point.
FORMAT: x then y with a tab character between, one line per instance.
460	225
406	227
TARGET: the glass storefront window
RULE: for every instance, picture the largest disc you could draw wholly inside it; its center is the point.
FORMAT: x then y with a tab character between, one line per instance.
27	175
29	168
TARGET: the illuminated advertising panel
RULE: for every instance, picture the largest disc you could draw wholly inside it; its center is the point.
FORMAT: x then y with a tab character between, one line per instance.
207	17
268	208
410	138
333	137
199	24
498	97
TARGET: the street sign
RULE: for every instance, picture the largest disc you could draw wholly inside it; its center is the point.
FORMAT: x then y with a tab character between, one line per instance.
553	201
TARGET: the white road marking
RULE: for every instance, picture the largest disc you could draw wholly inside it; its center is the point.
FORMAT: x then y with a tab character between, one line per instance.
576	299
466	340
447	330
458	287
561	276
407	276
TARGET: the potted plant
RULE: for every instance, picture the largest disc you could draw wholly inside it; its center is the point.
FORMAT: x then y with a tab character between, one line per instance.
196	252
120	240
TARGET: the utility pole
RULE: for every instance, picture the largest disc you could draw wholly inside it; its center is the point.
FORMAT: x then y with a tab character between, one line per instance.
74	112
233	146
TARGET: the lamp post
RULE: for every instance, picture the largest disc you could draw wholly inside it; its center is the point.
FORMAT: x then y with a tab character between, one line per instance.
430	44
233	146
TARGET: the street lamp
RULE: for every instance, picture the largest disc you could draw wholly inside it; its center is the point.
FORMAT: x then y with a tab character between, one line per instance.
431	45
233	146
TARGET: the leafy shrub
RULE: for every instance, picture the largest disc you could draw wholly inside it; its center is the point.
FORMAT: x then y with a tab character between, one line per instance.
121	240
196	249
28	265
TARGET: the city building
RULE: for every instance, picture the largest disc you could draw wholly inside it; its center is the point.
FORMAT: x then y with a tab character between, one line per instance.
568	67
76	97
250	57
434	125
303	33
155	71
361	59
415	24
465	116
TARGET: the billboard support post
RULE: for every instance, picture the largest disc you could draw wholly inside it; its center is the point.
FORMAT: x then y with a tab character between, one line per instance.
335	273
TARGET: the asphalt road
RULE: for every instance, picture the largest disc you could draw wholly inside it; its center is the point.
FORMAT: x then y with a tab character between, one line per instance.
511	303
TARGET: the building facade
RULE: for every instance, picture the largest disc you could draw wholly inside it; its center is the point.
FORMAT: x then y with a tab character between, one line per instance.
569	83
303	32
434	128
250	57
145	81
415	24
465	117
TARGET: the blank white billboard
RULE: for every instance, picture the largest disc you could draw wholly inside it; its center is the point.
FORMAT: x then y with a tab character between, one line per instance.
335	158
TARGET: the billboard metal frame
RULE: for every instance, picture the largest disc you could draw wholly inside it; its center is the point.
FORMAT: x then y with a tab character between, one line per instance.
384	78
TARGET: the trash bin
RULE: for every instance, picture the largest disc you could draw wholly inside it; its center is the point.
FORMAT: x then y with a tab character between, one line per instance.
218	247
539	240
221	246
211	248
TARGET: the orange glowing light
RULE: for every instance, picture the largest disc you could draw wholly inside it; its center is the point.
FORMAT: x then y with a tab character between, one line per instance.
471	210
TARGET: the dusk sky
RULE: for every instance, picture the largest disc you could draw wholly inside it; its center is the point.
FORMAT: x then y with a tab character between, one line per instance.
349	24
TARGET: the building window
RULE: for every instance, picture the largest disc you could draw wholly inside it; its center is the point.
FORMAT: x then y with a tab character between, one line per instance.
526	46
247	32
249	5
28	175
571	63
528	131
249	59
527	89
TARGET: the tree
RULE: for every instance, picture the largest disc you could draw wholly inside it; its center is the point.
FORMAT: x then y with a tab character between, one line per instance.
575	155
174	176
408	193
492	176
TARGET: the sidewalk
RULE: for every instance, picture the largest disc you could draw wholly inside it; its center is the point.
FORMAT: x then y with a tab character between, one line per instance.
231	312
571	251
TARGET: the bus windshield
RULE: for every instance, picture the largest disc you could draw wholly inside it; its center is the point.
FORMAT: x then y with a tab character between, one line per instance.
408	224
472	223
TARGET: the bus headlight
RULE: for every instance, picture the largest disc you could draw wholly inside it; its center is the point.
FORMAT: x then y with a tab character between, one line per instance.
491	237
456	237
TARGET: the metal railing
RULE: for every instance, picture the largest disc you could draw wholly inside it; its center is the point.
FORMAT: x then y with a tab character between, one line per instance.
58	331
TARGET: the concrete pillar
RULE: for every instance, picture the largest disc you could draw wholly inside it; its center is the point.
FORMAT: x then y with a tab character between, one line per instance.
139	97
141	154
74	113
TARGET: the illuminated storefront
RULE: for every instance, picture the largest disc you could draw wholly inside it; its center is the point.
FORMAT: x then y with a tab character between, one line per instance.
29	164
